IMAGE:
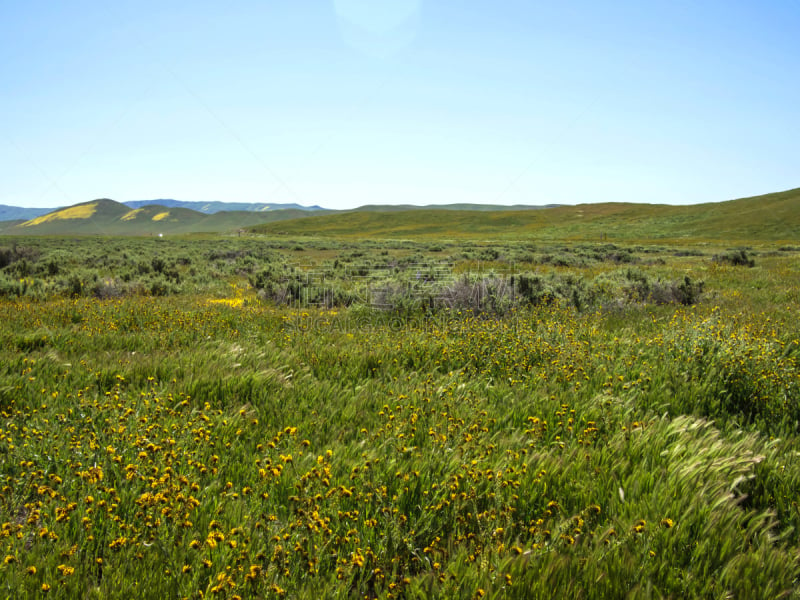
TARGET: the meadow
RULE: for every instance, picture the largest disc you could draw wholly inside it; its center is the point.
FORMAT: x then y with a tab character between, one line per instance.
252	417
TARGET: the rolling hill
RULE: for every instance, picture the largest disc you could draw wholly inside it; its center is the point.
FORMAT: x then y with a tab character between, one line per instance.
86	217
768	217
107	217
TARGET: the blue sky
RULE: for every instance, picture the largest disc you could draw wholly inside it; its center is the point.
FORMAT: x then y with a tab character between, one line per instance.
343	103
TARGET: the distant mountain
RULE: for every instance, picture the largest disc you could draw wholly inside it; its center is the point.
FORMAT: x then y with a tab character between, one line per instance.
19	213
14	213
107	217
768	217
168	216
210	208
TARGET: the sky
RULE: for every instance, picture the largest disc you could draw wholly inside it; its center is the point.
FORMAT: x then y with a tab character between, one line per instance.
342	103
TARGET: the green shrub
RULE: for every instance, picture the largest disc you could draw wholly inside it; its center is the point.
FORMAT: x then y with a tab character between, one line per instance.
737	258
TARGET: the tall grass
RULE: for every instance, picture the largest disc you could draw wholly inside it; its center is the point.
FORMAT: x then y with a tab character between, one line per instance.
216	445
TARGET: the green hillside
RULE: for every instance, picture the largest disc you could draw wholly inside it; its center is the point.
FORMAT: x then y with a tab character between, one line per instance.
107	217
769	217
91	217
233	220
156	219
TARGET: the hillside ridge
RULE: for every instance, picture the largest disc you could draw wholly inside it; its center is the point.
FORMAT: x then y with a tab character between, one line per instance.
773	216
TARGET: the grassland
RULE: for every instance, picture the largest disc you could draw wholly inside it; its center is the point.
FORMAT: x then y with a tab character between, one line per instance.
256	417
769	217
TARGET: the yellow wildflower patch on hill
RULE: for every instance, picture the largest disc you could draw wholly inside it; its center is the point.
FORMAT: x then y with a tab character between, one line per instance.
82	211
161	216
129	216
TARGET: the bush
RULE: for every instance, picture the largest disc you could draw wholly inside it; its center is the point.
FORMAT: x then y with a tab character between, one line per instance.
107	288
490	294
158	264
9	256
685	292
159	286
52	268
11	287
634	286
533	290
736	258
74	286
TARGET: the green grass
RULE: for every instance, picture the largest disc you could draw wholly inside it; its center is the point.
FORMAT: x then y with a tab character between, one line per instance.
211	443
770	217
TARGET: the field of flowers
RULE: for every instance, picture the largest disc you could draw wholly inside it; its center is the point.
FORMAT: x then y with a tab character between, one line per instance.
215	442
